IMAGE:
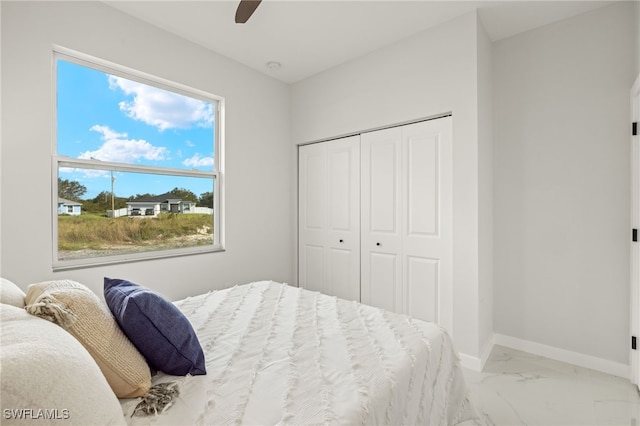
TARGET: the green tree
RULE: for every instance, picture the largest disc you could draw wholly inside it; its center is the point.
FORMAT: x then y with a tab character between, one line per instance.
71	189
138	196
102	198
184	194
102	202
206	199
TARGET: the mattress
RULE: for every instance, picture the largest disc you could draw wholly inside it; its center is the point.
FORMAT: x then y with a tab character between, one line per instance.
277	354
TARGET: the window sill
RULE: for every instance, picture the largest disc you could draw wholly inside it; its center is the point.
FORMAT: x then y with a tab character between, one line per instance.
64	265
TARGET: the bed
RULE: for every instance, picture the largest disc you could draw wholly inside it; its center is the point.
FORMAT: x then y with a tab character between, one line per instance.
277	354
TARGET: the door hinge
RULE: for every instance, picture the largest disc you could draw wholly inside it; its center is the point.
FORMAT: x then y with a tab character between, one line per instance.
634	346
634	128
634	235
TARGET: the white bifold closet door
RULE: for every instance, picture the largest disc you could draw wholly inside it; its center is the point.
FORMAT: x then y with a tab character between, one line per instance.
375	219
329	217
406	225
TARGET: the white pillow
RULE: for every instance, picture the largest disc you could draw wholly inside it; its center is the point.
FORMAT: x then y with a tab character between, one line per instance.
48	377
11	294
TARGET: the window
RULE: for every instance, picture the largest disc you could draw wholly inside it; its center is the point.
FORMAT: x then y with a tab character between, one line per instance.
138	162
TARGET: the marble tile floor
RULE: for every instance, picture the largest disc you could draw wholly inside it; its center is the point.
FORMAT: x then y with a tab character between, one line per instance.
518	388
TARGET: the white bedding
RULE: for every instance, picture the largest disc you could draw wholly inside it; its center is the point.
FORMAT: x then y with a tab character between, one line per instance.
277	354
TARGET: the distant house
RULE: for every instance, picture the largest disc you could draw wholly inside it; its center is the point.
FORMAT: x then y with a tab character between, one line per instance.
69	207
165	203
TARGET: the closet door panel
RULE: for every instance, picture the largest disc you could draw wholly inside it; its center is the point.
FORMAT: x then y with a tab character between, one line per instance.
343	203
340	190
312	215
422	283
312	267
315	206
342	272
381	236
426	232
312	200
383	269
329	217
383	186
422	184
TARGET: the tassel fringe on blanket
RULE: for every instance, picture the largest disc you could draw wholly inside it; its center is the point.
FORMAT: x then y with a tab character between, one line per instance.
50	309
159	397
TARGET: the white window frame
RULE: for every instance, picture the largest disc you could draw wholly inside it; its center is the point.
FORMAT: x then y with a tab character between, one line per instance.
59	161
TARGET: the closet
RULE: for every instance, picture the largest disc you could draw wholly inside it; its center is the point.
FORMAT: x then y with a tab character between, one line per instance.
375	218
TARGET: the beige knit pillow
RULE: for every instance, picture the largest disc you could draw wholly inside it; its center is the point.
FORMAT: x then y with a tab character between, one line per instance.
76	308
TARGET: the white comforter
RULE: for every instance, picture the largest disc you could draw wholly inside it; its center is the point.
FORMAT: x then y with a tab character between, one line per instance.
277	354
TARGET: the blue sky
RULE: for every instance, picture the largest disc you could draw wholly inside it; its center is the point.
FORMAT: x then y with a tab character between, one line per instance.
110	118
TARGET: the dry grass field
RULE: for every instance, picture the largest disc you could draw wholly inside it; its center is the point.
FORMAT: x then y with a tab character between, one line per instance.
92	235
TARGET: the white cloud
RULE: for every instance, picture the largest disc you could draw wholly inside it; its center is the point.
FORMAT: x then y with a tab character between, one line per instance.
161	108
117	148
198	161
79	174
107	133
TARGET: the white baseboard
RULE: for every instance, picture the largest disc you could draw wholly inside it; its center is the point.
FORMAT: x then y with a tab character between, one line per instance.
575	358
470	362
477	363
587	361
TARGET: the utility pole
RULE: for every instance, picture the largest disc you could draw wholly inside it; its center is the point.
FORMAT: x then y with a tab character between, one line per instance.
113	204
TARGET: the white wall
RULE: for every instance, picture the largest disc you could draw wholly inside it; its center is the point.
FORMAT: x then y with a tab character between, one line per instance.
427	74
1	97
561	172
485	191
258	147
559	215
637	4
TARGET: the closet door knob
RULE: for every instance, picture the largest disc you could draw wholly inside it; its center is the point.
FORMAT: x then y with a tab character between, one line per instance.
377	244
342	241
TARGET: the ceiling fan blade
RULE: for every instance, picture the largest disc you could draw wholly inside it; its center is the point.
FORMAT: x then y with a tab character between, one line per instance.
245	10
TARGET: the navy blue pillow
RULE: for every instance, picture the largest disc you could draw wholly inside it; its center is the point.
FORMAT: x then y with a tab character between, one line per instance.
162	334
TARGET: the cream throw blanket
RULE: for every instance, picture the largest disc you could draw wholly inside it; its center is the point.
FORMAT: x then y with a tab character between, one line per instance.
281	355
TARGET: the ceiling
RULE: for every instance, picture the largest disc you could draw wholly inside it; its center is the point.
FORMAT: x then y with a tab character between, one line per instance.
310	36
